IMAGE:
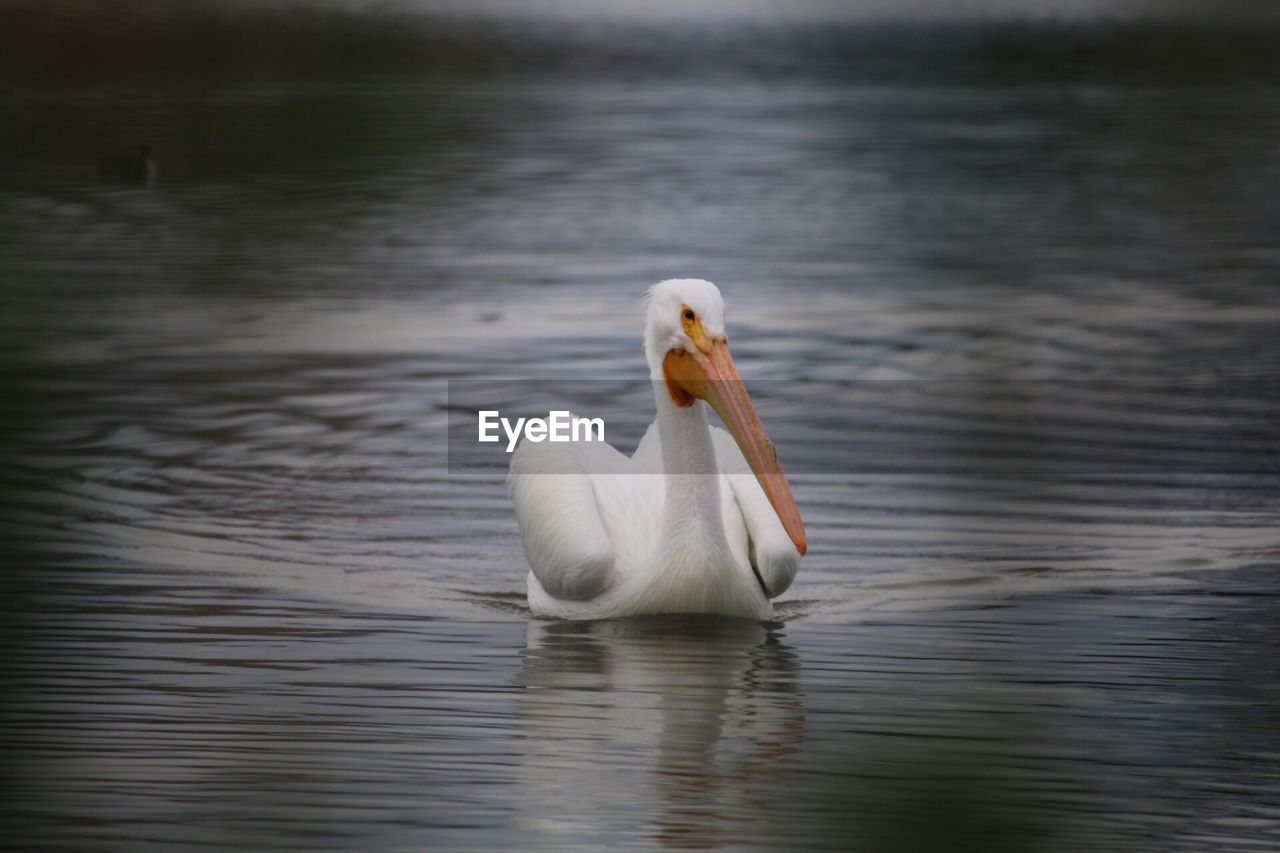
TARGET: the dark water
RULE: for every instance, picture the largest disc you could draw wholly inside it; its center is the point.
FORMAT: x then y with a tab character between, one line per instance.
249	604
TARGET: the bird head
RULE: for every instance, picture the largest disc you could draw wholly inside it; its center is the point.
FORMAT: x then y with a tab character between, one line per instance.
688	352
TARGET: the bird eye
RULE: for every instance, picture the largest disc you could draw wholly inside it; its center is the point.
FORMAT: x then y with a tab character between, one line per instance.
688	313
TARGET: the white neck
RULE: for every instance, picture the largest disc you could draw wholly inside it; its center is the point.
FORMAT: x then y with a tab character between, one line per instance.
691	509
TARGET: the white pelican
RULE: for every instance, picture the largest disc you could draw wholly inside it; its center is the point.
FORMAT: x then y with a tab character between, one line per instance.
712	529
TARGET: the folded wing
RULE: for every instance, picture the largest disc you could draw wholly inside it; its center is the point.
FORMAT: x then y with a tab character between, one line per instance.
555	503
771	551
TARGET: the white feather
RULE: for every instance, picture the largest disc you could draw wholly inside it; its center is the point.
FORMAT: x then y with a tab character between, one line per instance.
610	536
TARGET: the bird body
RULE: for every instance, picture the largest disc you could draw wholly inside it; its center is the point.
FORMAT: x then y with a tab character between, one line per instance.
696	521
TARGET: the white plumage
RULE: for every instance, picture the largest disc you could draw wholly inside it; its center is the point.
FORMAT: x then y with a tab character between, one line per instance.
684	525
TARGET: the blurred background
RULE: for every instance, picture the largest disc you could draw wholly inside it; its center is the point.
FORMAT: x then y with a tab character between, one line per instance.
1002	279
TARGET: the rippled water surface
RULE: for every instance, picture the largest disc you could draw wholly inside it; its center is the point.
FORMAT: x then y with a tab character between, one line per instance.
1016	344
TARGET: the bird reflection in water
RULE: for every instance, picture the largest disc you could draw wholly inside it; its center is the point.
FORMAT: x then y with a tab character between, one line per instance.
713	701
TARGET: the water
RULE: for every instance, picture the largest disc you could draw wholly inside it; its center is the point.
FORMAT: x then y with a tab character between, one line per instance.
250	605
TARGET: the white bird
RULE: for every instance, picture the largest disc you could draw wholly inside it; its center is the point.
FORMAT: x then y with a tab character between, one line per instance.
696	521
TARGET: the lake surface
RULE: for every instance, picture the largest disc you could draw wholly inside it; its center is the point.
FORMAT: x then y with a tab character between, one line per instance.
1016	342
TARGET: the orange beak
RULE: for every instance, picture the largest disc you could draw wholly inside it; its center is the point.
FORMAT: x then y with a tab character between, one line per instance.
709	374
